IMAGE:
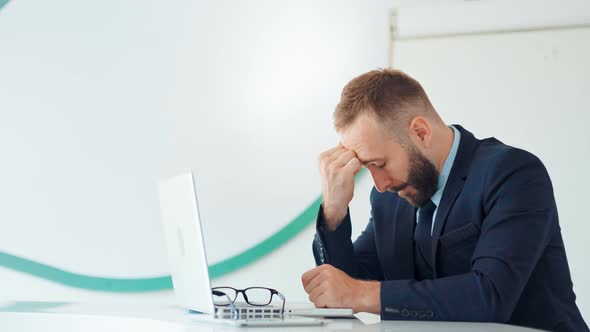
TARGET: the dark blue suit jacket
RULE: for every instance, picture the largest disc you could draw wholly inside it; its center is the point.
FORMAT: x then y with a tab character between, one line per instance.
497	246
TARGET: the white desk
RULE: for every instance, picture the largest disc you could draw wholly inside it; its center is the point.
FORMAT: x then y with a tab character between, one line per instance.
65	317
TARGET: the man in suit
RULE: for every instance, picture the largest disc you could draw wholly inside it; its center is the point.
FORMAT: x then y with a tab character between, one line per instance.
461	229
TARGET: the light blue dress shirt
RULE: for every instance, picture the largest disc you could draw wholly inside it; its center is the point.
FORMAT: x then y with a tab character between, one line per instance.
443	177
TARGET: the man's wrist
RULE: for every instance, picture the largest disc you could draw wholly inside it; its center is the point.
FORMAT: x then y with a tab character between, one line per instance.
333	219
370	297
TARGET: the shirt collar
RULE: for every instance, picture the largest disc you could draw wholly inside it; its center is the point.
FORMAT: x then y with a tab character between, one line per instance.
446	170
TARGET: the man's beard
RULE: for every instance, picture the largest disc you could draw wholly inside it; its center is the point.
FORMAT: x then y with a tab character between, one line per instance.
423	178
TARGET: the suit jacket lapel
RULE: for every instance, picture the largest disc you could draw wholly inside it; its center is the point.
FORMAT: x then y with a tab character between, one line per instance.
454	185
403	245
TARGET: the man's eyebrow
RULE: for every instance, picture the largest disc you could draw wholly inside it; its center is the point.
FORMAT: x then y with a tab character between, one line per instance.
365	162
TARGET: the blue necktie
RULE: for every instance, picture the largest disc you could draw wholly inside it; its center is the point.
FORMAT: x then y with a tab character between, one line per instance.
422	233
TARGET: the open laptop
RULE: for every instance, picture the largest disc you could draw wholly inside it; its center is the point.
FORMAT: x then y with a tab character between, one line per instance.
189	269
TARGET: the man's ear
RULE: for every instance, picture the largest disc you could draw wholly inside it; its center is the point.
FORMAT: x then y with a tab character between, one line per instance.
420	131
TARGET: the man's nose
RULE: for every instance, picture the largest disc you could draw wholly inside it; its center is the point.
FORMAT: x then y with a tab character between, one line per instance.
381	181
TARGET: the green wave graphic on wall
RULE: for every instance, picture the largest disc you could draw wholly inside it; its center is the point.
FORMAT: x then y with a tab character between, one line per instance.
131	285
3	2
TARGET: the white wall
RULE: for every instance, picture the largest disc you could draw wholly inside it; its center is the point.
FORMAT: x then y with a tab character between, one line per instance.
99	100
528	89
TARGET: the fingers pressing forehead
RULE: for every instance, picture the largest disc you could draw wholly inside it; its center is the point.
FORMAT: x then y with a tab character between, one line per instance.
332	150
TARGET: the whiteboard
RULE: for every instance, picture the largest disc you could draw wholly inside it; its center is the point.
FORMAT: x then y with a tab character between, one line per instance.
100	100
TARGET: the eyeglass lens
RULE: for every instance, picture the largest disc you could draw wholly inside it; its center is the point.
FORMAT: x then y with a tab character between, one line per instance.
253	295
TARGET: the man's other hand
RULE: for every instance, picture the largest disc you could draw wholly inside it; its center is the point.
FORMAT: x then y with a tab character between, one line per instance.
329	287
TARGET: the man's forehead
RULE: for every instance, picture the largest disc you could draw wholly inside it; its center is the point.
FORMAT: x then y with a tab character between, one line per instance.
349	144
361	141
371	147
361	151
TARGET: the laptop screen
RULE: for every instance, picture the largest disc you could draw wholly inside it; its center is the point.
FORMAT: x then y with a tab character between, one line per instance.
185	244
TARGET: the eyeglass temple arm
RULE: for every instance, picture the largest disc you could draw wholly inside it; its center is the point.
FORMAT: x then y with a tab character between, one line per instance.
282	297
232	306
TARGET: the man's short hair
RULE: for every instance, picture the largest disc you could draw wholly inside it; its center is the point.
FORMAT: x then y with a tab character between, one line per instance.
390	94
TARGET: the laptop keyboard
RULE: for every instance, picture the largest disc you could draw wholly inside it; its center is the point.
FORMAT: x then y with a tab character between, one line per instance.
249	313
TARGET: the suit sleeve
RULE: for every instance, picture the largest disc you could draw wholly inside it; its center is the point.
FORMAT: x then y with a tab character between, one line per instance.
520	215
358	260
